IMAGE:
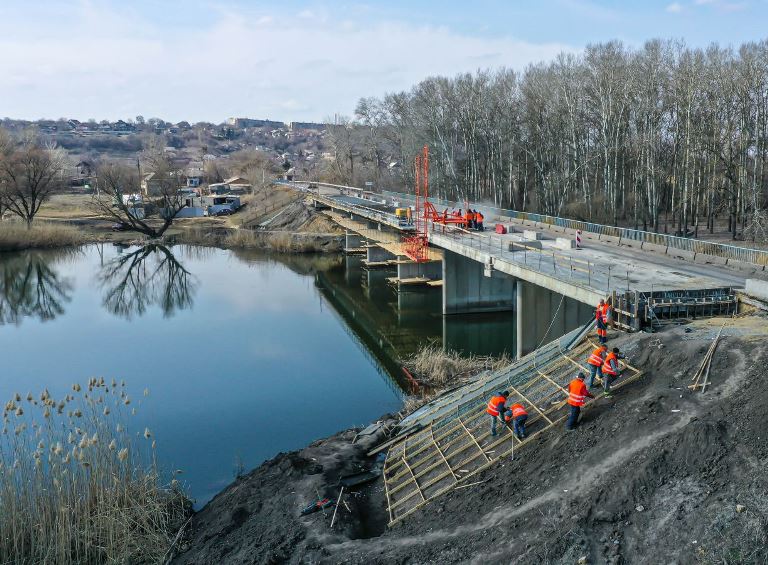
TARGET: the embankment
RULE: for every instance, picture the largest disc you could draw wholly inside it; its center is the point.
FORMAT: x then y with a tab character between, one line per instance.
656	474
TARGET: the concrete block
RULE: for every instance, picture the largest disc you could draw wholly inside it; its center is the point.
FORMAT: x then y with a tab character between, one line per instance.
635	244
757	288
710	259
681	254
531	235
524	246
654	247
565	243
746	267
609	239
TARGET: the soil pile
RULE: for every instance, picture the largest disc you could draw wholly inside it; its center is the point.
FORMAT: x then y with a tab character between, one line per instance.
656	474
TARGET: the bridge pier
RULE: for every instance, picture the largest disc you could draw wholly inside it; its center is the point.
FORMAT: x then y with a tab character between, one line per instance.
467	290
410	269
540	313
353	240
376	254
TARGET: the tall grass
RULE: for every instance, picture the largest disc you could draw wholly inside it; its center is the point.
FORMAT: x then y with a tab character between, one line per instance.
439	368
282	242
78	485
14	236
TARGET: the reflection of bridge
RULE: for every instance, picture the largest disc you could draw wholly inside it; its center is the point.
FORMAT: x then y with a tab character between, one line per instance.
535	270
362	330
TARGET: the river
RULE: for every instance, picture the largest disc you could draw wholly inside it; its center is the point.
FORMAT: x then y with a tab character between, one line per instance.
243	355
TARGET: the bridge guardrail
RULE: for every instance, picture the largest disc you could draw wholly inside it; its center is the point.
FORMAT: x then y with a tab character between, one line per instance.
733	252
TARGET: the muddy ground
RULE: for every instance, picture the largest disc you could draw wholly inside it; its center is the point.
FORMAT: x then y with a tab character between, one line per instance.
656	474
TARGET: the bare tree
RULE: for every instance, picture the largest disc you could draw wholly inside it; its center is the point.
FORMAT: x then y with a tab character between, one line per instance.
122	199
29	175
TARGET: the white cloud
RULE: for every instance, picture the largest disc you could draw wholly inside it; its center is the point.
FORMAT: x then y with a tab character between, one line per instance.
674	8
94	62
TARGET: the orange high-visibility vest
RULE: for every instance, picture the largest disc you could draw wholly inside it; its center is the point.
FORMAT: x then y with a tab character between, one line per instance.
577	392
479	217
493	405
607	369
596	358
518	410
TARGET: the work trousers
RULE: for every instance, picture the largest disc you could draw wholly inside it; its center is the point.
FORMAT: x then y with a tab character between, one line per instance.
519	426
595	370
573	417
494	419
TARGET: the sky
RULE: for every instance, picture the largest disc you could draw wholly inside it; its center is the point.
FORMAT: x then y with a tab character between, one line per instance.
306	60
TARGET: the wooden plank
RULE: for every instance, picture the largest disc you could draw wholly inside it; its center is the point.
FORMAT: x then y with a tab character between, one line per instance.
473	439
531	403
444	459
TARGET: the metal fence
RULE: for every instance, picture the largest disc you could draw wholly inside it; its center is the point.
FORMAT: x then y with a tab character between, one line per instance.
732	252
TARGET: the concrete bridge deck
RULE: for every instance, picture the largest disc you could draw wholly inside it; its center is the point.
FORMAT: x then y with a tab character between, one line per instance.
586	274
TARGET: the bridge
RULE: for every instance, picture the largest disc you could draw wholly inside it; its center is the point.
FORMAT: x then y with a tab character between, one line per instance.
535	269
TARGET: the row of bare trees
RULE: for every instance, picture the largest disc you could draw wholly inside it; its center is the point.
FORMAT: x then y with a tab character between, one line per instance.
665	137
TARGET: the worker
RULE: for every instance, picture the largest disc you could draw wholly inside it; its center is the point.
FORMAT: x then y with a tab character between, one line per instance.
496	408
577	395
469	217
611	370
479	219
601	319
445	216
595	362
408	215
518	416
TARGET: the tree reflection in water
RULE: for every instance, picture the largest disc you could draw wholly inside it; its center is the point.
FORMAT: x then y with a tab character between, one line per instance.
148	276
30	287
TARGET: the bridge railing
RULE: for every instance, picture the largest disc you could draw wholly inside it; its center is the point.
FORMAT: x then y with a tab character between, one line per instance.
732	252
559	265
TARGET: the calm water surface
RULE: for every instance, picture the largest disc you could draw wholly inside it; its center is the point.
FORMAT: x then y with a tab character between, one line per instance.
244	356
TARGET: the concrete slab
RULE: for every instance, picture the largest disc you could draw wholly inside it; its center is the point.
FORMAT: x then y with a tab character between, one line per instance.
681	254
654	247
746	267
524	246
564	243
757	288
532	235
710	259
609	239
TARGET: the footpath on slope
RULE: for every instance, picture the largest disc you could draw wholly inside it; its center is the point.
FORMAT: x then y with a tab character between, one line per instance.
655	474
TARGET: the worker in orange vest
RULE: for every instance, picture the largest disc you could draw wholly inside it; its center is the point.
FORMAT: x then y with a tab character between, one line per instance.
479	219
611	369
517	415
601	319
595	362
469	217
577	396
496	407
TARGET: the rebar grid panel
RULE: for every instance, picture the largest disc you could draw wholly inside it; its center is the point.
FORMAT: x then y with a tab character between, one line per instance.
434	460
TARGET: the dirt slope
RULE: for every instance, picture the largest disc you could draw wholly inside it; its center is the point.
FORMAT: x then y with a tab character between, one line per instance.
657	474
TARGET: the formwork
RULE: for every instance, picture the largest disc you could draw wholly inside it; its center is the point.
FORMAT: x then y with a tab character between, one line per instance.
449	441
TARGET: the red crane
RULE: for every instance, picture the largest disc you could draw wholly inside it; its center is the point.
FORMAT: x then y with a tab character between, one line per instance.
416	246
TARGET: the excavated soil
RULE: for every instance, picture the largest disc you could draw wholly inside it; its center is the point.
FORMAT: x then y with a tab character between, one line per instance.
656	474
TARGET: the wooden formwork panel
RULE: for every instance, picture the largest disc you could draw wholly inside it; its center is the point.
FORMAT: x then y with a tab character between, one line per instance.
434	460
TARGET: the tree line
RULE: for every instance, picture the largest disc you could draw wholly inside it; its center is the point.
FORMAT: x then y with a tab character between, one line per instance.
665	137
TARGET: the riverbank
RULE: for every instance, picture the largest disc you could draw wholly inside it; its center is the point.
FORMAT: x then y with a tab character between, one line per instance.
290	226
656	466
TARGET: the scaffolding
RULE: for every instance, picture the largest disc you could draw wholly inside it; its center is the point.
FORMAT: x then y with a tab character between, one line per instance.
456	444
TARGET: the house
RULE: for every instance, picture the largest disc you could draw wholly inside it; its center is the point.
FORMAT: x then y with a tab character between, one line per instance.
84	169
218	188
151	184
194	180
238	184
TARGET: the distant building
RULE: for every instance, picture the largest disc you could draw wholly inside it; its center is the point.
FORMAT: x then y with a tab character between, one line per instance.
243	123
293	126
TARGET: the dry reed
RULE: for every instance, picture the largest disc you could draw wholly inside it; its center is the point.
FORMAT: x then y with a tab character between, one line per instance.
75	487
14	235
435	367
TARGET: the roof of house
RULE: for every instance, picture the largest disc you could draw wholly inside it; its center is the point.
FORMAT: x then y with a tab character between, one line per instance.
237	180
